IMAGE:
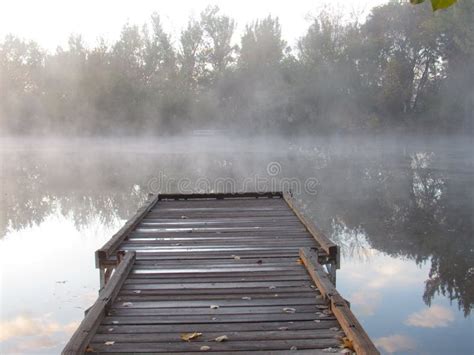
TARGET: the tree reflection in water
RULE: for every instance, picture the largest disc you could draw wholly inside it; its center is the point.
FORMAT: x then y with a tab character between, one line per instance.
407	203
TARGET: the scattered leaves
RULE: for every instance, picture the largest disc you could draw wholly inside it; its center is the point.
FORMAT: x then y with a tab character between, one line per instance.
205	348
221	338
109	343
347	343
289	310
190	336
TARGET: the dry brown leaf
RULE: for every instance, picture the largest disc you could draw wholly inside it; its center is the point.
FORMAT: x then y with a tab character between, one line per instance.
190	336
89	349
347	343
221	338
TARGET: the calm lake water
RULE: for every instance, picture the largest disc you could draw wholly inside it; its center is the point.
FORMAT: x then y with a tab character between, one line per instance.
401	209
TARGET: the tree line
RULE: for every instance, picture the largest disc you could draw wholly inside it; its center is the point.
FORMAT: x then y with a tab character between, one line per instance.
404	68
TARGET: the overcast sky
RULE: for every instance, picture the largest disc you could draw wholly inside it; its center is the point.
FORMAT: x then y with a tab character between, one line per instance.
50	22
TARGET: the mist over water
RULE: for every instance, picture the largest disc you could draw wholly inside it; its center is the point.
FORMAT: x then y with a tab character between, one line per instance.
400	207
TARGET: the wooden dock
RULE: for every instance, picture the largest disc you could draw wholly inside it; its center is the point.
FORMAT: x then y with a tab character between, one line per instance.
220	273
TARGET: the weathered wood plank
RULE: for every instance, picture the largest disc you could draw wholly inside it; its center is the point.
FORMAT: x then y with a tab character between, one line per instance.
326	244
113	244
224	346
349	323
81	337
217	327
232	195
228	318
285	302
210	336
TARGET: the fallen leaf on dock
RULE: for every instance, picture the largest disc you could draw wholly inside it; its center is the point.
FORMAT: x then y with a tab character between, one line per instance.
190	336
347	343
221	338
289	310
283	328
236	257
89	349
335	329
246	298
115	322
331	350
137	291
127	304
272	287
214	306
111	329
109	343
205	348
293	348
184	217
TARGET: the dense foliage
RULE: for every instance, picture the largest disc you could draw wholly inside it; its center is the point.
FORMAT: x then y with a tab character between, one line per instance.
404	68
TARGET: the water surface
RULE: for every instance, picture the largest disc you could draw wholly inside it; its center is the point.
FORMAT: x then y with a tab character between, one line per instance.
401	209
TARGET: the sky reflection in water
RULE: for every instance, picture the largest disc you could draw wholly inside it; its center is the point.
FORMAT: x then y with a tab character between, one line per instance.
55	215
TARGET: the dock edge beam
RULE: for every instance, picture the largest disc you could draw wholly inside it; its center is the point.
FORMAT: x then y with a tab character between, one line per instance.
339	306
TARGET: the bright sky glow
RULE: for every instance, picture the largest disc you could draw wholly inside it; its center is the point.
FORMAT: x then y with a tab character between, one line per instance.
50	22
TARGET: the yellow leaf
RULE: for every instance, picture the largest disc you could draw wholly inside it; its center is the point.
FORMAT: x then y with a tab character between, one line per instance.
347	343
190	336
